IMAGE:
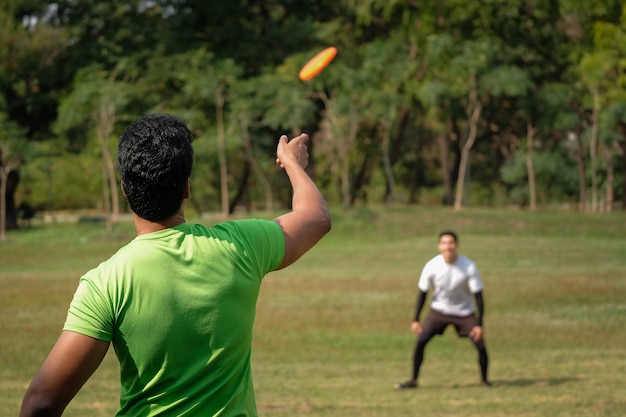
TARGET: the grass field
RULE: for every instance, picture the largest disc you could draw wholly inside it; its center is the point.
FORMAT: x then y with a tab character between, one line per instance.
332	332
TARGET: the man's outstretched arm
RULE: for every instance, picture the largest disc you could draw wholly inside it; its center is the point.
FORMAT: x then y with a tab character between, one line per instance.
309	219
480	307
70	363
477	333
416	327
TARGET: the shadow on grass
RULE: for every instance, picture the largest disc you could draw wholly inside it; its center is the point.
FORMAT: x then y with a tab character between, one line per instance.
520	383
528	382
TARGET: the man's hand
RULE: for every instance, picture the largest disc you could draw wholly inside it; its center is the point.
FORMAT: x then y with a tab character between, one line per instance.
416	327
476	334
292	151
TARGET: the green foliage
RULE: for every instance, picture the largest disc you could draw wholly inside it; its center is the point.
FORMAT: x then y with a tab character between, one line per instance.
13	147
614	116
594	67
552	112
205	175
11	139
506	81
65	181
555	176
274	101
401	81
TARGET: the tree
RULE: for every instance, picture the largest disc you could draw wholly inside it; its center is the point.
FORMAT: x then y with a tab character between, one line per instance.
12	154
473	75
389	65
609	40
594	71
95	105
255	35
29	55
205	86
266	106
435	96
611	142
418	92
546	113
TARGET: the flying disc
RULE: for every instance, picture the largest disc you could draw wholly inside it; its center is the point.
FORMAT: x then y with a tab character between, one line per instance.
317	63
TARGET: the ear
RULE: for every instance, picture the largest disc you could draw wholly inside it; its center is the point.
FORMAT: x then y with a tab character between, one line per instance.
187	190
122	187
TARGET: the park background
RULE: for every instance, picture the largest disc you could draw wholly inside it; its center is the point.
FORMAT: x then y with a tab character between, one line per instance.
484	103
332	333
505	120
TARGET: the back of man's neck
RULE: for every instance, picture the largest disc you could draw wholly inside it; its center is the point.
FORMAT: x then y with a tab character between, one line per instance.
143	226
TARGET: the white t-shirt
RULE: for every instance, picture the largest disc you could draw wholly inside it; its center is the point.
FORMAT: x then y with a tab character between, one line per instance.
453	285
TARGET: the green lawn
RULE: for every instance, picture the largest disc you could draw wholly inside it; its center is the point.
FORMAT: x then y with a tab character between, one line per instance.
332	332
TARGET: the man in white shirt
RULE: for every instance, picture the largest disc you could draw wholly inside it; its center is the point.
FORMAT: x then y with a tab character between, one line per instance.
456	284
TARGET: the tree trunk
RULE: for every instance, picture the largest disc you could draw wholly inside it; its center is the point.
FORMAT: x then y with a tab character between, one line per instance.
474	108
593	149
4	176
391	182
446	174
106	195
345	183
9	178
361	179
580	162
342	141
610	178
105	119
221	149
623	153
11	214
530	170
241	189
344	157
114	216
265	183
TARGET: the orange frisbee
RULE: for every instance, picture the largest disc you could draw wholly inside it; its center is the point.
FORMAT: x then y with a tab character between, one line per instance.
317	63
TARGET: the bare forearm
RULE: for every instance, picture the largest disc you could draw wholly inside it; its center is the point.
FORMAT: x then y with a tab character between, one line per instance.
42	401
309	219
306	195
70	363
32	408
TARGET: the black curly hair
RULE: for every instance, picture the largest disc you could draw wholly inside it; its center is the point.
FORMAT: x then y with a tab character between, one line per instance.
449	233
155	159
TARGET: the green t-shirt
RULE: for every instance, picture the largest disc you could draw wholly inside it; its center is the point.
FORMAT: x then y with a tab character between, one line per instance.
178	306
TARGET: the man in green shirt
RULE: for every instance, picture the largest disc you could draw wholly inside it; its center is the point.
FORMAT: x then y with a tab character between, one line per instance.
177	302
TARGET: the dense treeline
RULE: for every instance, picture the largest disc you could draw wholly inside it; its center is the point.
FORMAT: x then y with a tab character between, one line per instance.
492	102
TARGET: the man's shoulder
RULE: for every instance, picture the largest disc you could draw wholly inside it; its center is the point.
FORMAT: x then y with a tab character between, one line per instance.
232	227
434	262
464	259
245	223
464	262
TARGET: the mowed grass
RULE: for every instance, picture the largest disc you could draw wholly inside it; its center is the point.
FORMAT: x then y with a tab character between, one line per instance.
332	332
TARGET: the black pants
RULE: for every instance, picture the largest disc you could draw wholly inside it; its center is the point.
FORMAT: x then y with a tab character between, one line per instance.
435	324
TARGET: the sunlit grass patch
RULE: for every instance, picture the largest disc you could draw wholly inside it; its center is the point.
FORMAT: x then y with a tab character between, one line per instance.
332	331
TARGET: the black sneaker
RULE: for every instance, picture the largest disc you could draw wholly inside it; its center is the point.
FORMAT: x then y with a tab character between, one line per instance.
406	385
486	383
